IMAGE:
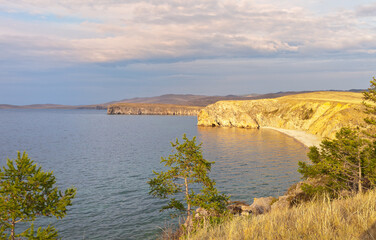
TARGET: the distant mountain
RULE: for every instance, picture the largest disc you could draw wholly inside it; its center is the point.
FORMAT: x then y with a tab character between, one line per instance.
52	106
7	106
182	99
176	99
198	100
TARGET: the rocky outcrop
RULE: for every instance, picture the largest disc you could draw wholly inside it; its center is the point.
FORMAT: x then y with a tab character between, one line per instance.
318	113
283	202
259	206
152	109
238	208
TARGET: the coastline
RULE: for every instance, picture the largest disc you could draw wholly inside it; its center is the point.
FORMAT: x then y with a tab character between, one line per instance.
303	137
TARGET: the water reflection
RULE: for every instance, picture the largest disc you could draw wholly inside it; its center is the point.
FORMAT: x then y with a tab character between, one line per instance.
252	163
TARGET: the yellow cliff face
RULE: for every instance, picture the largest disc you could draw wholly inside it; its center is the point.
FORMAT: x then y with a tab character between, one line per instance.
318	113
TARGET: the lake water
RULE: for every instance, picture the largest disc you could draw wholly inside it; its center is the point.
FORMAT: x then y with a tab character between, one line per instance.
109	159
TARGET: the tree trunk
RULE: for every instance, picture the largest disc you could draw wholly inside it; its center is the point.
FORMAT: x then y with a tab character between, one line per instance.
360	177
188	221
12	230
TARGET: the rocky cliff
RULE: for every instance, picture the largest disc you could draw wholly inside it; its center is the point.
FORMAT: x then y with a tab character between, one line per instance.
318	113
152	109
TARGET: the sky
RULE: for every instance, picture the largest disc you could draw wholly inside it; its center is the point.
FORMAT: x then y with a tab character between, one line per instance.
95	51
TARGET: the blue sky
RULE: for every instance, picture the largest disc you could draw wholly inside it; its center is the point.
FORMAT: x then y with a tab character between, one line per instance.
95	51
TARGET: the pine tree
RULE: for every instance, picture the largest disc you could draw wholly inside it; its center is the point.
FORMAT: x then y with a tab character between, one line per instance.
187	170
345	163
27	192
369	102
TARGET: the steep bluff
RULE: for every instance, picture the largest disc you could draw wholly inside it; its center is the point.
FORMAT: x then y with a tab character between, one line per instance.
318	113
152	109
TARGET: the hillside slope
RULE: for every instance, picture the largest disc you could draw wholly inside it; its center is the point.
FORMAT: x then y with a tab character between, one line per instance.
198	100
318	113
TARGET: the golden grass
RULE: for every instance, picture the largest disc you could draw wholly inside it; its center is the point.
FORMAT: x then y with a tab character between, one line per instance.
337	219
346	97
324	96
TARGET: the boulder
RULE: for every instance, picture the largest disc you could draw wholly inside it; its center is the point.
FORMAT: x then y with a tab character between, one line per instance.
238	208
246	210
261	205
282	203
295	193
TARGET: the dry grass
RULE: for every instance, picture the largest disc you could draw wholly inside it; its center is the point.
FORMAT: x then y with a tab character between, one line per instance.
324	96
338	219
346	97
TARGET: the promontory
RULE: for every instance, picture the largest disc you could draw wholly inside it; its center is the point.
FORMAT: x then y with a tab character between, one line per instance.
152	109
320	114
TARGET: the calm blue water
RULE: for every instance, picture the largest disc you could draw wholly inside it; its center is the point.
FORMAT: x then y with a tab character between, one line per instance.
110	158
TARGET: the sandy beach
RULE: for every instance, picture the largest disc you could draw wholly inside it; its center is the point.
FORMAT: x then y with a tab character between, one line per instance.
305	138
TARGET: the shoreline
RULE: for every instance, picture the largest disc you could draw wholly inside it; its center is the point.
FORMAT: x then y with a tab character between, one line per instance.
307	139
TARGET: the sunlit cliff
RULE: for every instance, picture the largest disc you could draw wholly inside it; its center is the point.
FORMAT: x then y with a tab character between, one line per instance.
318	113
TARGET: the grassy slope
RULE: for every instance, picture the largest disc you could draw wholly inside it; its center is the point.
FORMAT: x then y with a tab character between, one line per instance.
325	96
347	97
337	219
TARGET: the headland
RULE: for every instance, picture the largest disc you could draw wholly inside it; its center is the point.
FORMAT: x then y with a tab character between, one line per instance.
307	117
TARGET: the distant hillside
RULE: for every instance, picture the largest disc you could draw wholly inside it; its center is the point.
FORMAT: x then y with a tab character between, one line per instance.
35	106
53	106
7	106
200	100
182	99
179	99
176	99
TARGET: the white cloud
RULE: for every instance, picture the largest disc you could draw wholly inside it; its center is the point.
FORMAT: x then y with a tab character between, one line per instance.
105	31
367	10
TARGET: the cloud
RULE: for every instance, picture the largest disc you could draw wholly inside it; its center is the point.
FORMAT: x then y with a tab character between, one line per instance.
366	10
108	31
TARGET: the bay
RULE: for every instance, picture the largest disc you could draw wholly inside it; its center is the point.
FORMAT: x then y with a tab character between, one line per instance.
110	158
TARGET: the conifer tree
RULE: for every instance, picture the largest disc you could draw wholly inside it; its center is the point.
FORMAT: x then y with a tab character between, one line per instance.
345	163
27	192
187	172
369	102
